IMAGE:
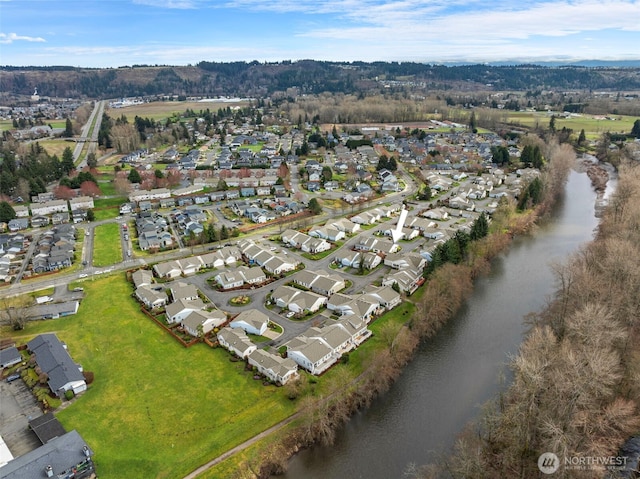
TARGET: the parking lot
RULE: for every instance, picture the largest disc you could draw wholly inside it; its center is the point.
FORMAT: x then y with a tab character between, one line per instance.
18	407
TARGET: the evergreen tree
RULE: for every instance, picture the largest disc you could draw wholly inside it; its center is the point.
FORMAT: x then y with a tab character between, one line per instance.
67	161
7	213
134	176
472	122
92	161
224	233
314	206
480	227
583	137
635	131
91	216
537	159
68	129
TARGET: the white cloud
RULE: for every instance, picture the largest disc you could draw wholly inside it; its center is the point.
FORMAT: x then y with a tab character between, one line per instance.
8	38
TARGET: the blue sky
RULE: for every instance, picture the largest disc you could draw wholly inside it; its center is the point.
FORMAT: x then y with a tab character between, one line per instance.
111	33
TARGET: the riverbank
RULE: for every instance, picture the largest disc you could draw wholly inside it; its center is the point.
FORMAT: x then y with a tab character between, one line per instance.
575	392
432	307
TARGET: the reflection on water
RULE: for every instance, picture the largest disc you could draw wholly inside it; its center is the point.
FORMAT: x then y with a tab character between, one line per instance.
453	374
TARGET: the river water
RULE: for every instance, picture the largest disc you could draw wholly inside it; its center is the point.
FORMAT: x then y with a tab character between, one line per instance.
453	374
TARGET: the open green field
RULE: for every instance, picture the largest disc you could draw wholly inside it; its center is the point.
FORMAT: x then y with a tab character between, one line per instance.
161	110
155	409
56	147
593	126
107	249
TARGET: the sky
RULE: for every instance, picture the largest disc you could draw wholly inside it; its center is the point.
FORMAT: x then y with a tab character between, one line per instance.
112	33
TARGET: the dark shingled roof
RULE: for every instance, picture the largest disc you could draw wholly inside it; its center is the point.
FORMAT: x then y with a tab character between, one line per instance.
47	427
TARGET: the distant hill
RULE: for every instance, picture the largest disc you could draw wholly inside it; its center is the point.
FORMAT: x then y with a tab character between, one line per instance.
307	76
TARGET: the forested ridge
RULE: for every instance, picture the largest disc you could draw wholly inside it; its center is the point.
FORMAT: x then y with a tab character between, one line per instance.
308	76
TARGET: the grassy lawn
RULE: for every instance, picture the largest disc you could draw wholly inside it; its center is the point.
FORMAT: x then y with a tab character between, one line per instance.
162	110
106	213
109	202
144	415
318	256
106	245
56	147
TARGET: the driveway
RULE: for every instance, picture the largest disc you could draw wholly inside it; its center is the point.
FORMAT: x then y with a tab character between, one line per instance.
18	407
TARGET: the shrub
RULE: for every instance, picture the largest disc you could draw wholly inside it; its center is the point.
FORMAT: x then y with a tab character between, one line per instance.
68	395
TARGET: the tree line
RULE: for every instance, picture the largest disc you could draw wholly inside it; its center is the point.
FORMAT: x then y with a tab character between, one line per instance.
575	388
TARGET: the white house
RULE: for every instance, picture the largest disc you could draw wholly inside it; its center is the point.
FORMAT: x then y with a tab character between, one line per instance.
202	322
251	321
151	298
279	370
236	341
180	309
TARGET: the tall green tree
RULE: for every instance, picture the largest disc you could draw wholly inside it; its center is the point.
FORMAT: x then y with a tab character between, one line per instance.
583	137
92	161
635	130
7	213
314	206
134	176
480	227
68	129
472	122
67	161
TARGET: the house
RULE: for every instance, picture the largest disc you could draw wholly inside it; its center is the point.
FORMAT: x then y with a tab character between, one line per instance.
142	277
376	245
343	224
438	214
167	270
81	203
202	322
182	290
276	265
251	321
229	279
49	207
22	211
189	266
39	221
407	279
151	298
320	282
277	369
9	357
298	301
18	224
327	232
54	360
387	297
312	354
180	309
236	341
252	275
402	261
64	455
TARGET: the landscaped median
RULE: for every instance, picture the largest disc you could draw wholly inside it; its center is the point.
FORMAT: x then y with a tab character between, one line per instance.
155	409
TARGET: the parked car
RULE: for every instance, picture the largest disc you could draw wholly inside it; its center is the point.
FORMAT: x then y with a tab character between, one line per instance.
13	377
83	275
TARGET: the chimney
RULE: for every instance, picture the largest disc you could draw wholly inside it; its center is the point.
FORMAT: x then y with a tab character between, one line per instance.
48	471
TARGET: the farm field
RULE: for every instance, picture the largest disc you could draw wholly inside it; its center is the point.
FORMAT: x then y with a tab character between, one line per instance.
593	126
161	110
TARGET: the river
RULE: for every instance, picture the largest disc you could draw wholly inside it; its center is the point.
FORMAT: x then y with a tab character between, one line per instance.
453	374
